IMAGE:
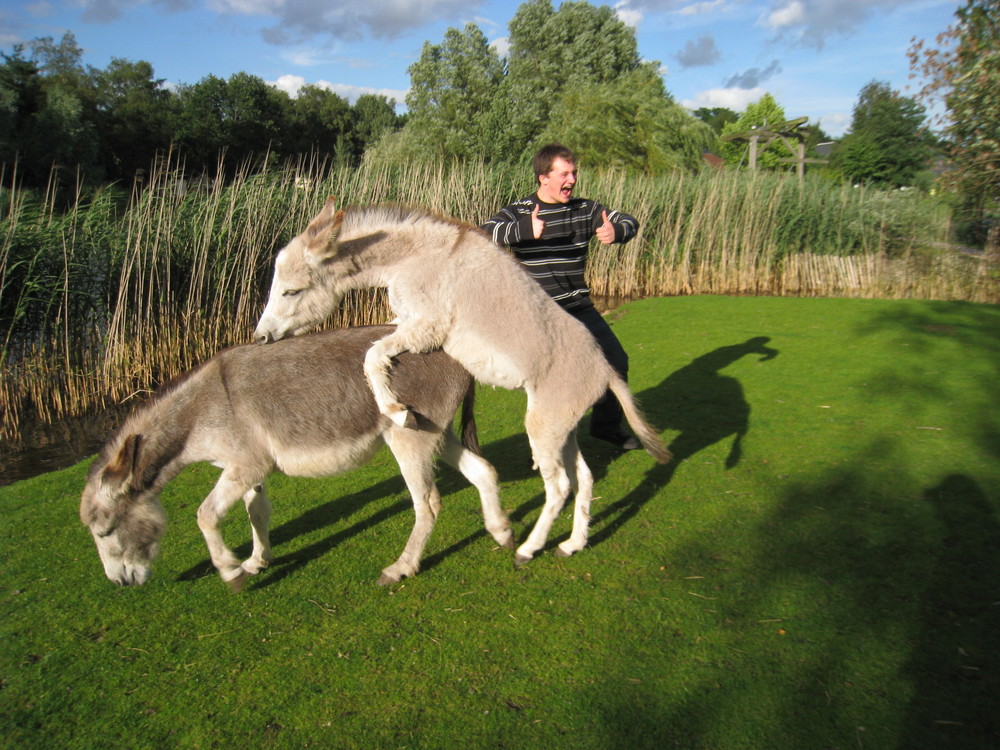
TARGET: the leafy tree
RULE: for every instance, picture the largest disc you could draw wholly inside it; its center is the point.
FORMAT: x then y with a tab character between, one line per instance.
762	113
135	116
552	51
256	116
243	118
63	133
451	85
630	122
716	117
47	119
21	98
374	116
886	144
320	122
964	70
200	126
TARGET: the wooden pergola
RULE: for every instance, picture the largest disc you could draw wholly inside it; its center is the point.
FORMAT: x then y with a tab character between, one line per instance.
789	132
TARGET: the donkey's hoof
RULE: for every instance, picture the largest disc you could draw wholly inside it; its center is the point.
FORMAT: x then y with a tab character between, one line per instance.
560	552
389	576
237	582
521	560
510	543
253	567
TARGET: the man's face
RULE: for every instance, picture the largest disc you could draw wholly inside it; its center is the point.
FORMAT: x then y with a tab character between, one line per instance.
557	185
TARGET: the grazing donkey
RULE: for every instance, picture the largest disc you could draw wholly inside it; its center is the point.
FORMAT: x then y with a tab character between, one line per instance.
303	407
452	287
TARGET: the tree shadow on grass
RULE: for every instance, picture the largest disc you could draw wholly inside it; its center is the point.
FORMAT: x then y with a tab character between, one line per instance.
955	662
845	550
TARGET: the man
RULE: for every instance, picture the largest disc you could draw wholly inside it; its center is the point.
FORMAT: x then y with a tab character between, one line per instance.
549	233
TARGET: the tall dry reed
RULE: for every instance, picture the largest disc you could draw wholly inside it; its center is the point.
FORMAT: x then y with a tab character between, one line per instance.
118	292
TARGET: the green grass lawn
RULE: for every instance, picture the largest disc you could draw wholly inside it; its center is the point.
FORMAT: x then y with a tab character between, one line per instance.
819	569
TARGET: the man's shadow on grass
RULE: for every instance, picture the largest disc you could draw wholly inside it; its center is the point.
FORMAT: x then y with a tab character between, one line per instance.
701	404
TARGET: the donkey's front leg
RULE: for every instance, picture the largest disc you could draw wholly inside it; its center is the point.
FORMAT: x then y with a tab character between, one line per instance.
378	362
227	491
414	335
483	476
259	510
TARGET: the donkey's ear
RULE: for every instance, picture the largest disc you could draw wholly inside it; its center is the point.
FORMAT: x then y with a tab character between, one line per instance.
123	465
321	234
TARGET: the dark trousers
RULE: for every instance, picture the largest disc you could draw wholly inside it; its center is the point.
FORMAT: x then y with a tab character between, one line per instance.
606	418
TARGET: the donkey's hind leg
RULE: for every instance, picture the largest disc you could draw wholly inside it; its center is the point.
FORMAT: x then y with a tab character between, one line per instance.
548	449
414	452
584	494
483	477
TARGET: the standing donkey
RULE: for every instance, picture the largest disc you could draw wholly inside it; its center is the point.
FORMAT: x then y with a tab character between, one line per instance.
452	287
302	406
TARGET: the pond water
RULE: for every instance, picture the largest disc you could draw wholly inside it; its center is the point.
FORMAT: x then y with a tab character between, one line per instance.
48	448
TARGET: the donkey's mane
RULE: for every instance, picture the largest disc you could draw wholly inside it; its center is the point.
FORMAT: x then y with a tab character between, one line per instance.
367	218
141	413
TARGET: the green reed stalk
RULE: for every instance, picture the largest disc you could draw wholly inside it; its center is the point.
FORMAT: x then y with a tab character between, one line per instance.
116	293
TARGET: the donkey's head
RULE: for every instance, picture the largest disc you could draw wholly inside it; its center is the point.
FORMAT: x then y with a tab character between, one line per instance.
126	520
303	291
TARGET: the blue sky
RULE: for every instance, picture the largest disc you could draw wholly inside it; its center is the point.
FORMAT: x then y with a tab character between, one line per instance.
813	56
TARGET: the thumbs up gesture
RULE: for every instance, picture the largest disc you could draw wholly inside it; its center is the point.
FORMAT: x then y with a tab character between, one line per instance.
537	225
606	232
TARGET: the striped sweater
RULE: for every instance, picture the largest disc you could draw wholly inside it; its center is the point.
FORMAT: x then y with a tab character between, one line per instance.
557	261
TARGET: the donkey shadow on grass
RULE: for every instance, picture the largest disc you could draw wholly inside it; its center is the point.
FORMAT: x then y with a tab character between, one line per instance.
704	407
701	404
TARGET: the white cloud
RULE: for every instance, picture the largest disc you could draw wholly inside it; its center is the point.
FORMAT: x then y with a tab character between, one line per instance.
109	10
306	57
291	84
752	78
792	14
346	19
502	46
734	99
245	7
631	17
836	123
40	9
703	8
813	21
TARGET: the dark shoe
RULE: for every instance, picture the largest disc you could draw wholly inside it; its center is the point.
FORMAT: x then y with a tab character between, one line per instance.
621	440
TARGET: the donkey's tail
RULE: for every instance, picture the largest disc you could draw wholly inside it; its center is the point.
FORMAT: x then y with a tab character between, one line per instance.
649	437
470	435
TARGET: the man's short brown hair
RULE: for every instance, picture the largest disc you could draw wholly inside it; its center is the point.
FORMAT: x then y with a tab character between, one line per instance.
542	163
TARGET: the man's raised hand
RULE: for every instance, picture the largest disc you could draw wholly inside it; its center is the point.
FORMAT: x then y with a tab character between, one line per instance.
606	232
